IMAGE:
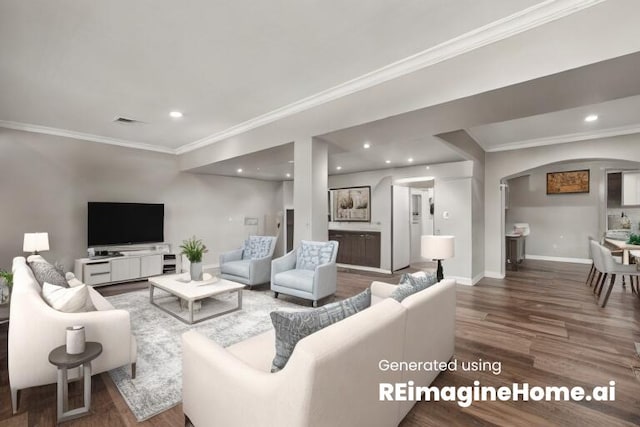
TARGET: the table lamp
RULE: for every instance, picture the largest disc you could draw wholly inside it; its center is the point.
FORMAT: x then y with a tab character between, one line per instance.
437	248
35	242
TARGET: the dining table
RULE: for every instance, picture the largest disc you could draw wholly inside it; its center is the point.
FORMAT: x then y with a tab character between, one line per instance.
628	250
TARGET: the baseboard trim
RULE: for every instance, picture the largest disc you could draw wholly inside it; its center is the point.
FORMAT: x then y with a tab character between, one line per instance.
559	259
363	268
493	275
467	281
476	279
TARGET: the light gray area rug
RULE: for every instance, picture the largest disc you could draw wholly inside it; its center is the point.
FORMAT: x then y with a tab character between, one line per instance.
158	383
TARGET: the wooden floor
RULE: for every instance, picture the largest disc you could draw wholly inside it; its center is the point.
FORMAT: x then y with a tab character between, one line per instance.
541	323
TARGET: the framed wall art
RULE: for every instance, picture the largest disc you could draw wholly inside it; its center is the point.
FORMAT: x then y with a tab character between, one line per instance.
351	204
568	182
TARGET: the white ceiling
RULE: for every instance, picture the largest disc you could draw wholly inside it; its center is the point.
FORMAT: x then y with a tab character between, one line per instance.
620	116
76	65
70	67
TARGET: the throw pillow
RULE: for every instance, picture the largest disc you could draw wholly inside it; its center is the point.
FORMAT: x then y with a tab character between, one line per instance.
291	327
246	250
420	279
45	272
67	300
260	246
412	283
312	254
72	280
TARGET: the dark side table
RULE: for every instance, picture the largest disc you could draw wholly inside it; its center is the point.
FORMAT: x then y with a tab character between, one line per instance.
64	362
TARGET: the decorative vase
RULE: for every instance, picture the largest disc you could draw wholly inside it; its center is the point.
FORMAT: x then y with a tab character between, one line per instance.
196	271
75	340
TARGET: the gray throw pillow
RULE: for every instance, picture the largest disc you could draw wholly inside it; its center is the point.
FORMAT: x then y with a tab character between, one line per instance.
291	327
410	284
45	272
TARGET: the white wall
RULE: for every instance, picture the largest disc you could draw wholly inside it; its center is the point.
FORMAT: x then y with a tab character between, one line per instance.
380	182
46	182
505	164
454	196
451	197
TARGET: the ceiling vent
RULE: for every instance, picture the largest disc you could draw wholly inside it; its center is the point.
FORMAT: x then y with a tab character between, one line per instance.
126	120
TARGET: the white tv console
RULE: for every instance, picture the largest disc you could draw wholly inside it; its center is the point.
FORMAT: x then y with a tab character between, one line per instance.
133	265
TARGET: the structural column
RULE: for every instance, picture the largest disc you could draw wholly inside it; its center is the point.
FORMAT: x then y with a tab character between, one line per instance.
310	191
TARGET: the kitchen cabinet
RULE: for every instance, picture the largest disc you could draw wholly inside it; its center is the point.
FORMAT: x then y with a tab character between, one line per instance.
357	247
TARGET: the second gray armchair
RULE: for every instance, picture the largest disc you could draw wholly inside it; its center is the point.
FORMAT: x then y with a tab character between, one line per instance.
308	271
250	264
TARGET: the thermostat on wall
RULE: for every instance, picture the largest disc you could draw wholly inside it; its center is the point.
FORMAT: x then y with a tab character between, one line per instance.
446	215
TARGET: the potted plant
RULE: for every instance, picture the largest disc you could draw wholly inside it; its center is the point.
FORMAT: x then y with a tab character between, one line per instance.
193	249
7	278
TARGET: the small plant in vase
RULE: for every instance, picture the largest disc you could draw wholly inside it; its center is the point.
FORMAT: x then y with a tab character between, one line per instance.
193	249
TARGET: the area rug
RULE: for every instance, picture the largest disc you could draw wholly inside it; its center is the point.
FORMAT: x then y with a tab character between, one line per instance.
158	383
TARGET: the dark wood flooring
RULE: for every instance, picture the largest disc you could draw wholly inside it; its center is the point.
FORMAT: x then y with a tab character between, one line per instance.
541	323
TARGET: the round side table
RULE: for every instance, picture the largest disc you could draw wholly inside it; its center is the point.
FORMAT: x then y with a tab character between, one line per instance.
64	362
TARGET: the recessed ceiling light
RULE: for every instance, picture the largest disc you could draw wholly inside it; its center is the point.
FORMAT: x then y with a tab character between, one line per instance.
338	167
175	114
428	168
367	145
387	161
240	170
591	118
410	160
288	175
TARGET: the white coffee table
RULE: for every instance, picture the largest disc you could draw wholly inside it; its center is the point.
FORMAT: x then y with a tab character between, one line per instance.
180	286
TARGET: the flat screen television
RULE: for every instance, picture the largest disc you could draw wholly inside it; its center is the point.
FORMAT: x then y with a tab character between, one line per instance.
124	223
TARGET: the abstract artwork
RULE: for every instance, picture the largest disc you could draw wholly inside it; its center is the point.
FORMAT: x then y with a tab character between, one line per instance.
352	204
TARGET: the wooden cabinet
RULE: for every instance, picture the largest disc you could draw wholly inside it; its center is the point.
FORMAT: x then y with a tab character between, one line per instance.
357	247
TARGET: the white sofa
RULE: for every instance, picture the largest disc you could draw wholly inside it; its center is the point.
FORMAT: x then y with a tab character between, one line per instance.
35	329
332	377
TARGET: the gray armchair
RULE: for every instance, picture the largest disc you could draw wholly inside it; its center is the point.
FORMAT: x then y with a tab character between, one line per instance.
307	272
250	264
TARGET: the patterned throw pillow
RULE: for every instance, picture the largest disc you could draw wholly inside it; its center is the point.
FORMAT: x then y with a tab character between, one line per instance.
291	327
410	284
45	272
260	246
246	250
312	254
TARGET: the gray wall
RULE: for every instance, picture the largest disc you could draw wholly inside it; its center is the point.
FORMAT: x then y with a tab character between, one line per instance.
46	182
507	164
560	223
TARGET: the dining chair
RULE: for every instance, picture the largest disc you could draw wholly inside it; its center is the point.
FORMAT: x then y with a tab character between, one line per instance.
613	268
598	270
593	270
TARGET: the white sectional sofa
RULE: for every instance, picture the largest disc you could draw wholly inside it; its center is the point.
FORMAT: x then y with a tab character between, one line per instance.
333	375
35	329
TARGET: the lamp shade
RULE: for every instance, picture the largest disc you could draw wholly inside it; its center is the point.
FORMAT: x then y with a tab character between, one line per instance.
437	247
35	242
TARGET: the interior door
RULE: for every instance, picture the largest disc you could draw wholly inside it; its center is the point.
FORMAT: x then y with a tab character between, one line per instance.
400	227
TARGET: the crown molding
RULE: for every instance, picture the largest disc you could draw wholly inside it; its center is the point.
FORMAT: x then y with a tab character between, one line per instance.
526	19
561	139
87	137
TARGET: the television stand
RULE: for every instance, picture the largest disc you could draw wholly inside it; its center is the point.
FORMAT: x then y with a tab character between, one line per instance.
109	269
